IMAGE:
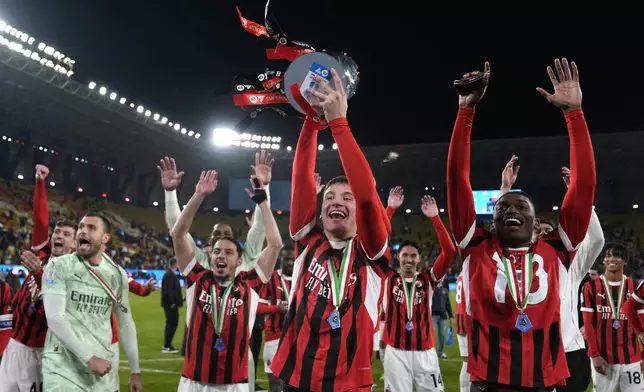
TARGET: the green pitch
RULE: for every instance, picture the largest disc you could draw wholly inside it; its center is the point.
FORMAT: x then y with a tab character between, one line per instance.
161	372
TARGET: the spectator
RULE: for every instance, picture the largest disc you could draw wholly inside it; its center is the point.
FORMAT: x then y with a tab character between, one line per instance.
441	308
171	300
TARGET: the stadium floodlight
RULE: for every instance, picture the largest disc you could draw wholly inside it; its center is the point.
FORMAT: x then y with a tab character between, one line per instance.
80	190
216	209
335	146
148	113
92	85
156	117
197	135
177	126
70	73
51	183
191	132
408	211
132	105
441	210
140	109
184	131
123	100
113	96
31	40
247	211
321	147
164	120
635	206
127	199
40	148
289	148
102	90
555	208
154	203
21	177
170	123
222	137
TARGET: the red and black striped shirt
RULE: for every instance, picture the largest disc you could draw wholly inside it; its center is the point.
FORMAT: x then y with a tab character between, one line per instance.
634	309
311	355
203	363
462	318
30	324
421	336
274	294
615	345
6	318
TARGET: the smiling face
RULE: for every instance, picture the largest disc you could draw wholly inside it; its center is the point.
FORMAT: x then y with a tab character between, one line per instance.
339	211
225	259
287	261
90	237
62	240
614	260
409	257
514	220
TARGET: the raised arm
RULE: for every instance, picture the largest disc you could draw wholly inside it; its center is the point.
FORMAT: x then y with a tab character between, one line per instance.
256	235
268	256
40	231
303	190
509	175
577	205
394	201
460	201
182	247
445	258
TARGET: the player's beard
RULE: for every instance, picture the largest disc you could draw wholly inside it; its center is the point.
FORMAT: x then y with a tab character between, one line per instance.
91	252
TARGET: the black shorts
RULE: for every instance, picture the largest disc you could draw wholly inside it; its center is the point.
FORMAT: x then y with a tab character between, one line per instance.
579	369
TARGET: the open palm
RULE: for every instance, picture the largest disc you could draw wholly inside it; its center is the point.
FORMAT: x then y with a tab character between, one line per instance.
207	183
567	95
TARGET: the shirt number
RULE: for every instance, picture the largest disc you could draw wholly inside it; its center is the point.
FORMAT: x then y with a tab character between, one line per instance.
501	284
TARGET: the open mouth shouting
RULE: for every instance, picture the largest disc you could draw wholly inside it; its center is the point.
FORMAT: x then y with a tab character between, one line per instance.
221	266
58	245
84	245
513	222
337	215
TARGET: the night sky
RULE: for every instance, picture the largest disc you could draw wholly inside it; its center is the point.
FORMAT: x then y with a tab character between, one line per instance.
179	58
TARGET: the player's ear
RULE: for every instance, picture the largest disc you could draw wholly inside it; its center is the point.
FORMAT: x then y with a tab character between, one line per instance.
105	239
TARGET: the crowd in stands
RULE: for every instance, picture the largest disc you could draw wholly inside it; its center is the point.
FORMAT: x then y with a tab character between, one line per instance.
141	240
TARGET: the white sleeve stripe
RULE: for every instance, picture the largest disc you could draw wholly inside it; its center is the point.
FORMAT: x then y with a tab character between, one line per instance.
641	311
303	231
468	237
431	273
638	299
261	275
189	267
566	240
589	310
264	301
379	255
39	247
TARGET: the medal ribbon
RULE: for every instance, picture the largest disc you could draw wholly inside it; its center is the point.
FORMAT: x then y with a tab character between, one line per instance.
101	282
285	290
615	308
409	296
513	281
219	307
338	283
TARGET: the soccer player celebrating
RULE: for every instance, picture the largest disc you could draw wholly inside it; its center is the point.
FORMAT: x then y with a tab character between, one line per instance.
411	358
611	338
276	292
225	304
327	336
80	291
569	285
22	368
511	283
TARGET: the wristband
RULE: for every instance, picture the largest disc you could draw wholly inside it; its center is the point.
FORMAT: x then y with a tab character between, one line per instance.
259	196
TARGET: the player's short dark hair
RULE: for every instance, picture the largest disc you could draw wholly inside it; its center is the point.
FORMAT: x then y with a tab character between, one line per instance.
240	250
107	225
522	193
67	223
172	262
617	250
540	220
409	243
336	180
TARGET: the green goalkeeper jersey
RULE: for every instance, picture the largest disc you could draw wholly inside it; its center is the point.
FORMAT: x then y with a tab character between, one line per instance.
88	309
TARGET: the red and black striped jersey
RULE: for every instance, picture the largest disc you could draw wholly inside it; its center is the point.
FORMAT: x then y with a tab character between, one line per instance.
274	293
499	352
613	339
6	317
204	363
317	352
634	309
30	324
462	318
418	333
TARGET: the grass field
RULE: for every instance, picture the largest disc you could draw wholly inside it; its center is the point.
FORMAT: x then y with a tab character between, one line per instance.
161	372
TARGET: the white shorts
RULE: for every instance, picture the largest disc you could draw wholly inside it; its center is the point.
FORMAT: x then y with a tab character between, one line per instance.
462	345
21	368
404	369
627	377
115	360
187	385
270	348
376	340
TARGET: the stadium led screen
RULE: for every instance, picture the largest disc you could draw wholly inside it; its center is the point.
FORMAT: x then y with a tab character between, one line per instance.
484	201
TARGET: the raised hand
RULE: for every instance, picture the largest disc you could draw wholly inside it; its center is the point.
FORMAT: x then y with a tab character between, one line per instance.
396	197
428	206
263	166
470	100
565	174
42	172
170	179
31	262
151	285
567	94
318	184
256	185
331	100
207	183
509	174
